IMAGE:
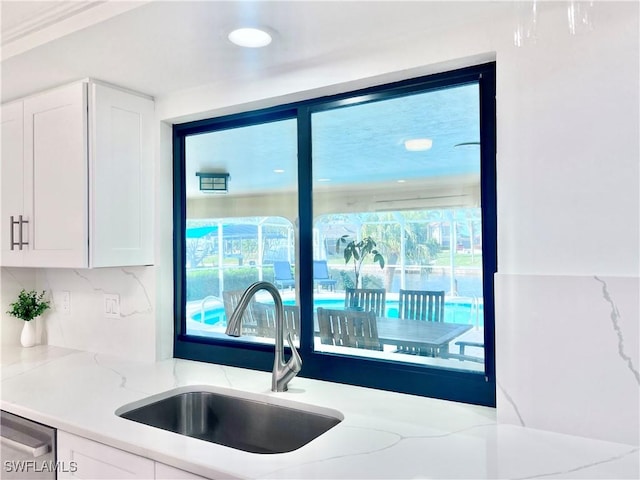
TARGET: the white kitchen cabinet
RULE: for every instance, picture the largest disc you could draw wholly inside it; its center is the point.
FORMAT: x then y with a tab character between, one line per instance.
11	138
78	178
81	458
167	472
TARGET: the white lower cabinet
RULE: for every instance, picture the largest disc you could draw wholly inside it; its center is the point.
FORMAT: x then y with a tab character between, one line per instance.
81	458
167	472
88	460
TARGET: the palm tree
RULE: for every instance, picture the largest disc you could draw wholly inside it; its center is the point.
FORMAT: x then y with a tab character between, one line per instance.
418	247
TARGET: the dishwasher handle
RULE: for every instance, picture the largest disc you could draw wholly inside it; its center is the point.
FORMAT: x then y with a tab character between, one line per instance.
23	442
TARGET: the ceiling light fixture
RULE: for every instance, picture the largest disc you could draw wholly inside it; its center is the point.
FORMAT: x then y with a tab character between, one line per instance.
250	37
418	144
278	170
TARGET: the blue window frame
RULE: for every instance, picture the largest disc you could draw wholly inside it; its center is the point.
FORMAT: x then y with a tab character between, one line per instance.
471	386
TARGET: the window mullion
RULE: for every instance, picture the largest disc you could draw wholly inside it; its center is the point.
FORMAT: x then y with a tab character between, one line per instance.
305	229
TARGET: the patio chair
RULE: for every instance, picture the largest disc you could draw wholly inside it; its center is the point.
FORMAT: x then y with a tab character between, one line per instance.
282	276
231	298
346	328
421	305
321	275
266	320
426	305
367	299
463	355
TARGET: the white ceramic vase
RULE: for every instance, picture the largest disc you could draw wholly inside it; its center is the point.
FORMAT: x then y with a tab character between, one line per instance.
28	335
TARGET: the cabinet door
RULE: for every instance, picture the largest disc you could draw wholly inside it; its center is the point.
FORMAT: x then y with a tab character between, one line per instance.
167	472
81	458
121	172
12	182
56	170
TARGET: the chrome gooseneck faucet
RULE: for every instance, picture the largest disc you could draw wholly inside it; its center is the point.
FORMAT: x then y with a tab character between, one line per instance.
283	371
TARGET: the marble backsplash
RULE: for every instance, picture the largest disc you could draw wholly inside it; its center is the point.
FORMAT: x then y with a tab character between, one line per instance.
132	334
567	354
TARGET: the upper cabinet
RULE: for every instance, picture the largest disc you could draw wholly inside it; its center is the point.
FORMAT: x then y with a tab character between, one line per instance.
12	177
77	178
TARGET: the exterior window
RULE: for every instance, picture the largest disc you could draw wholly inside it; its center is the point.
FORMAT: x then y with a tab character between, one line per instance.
423	262
224	257
234	239
373	213
403	173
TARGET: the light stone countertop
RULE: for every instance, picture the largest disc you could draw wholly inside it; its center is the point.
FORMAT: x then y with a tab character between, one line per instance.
383	435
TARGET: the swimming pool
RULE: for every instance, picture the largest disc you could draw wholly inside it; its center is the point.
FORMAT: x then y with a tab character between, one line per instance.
456	310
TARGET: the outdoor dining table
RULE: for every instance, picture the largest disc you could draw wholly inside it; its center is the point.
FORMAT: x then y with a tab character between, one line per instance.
416	334
419	334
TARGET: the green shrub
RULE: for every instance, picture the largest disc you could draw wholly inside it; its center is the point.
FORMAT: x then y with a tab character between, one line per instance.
345	280
204	281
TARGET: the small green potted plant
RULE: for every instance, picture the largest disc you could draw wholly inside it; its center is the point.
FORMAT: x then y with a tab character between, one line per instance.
358	251
28	306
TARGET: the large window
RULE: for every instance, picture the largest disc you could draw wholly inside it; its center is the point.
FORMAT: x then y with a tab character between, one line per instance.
373	213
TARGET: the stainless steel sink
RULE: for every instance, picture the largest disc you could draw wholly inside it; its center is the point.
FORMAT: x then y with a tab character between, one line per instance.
252	423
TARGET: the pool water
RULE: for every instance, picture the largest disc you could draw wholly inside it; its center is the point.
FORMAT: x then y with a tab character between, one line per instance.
462	311
212	316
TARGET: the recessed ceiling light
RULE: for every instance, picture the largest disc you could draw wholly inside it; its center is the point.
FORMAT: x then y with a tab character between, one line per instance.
324	179
418	144
278	170
250	37
401	181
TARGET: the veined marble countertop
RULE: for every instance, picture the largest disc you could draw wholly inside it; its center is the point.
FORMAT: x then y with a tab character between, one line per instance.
383	435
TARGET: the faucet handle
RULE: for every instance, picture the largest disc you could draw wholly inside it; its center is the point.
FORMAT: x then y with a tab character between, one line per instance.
295	362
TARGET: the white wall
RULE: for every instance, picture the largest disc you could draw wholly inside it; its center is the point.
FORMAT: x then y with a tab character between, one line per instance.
567	290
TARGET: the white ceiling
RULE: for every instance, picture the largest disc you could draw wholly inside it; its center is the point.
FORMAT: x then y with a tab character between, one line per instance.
158	47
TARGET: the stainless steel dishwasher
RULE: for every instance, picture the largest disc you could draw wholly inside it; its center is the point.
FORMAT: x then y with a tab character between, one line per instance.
28	448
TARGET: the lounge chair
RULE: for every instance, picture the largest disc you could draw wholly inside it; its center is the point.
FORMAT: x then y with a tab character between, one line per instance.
321	275
282	276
